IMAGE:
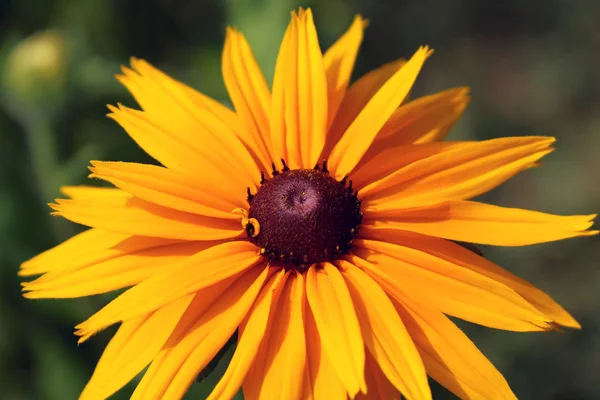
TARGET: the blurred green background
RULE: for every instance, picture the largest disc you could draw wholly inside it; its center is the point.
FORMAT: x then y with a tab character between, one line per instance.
533	66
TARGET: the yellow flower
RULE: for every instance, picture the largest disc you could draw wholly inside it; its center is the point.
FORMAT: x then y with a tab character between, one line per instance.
348	256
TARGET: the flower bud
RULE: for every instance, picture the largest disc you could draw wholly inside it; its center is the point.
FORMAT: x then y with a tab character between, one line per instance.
36	66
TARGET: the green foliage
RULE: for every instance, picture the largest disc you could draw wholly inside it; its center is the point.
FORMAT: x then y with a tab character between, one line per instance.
533	68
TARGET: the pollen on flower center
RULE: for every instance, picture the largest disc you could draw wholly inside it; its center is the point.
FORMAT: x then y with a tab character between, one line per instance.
305	217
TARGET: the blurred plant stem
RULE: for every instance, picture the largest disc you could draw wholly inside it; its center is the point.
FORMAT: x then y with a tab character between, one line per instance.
41	145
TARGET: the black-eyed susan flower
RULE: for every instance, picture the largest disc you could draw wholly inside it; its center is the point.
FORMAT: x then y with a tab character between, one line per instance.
318	221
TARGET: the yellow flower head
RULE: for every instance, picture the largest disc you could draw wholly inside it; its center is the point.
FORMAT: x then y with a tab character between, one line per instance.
321	222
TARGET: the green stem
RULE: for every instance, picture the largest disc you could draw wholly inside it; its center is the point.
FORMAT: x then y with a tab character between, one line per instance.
42	151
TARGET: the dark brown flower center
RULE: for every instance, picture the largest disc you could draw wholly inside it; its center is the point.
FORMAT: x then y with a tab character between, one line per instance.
305	217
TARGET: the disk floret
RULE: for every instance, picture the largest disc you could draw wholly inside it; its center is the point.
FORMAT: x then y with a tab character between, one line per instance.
305	216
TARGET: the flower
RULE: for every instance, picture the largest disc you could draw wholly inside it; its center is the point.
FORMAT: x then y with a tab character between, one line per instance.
321	222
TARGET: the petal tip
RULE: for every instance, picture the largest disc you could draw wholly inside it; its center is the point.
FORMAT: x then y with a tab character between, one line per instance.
359	19
55	206
112	108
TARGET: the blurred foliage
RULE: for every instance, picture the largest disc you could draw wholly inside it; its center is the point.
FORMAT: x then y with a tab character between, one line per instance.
533	68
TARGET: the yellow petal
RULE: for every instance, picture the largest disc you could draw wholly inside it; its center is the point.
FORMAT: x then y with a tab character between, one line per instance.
291	96
427	119
200	271
339	62
378	386
160	94
87	192
133	347
450	357
337	325
249	93
162	147
172	152
322	381
300	95
197	339
149	80
464	258
252	330
134	216
157	92
201	304
278	105
384	334
88	248
462	171
115	273
395	159
360	134
448	287
181	111
278	370
169	188
170	108
215	137
473	222
356	98
307	391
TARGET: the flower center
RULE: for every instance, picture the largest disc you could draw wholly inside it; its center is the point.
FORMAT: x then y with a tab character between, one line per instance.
305	217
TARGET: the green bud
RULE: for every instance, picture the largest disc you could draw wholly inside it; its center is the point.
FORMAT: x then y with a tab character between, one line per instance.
36	67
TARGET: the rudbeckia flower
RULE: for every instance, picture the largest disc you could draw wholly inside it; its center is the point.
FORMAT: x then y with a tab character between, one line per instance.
321	223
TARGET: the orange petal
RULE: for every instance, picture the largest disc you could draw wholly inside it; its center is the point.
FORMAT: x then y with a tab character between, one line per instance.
252	330
360	134
200	271
450	357
169	188
249	94
134	216
456	254
356	98
197	339
384	334
473	222
88	248
462	171
378	386
117	272
427	119
133	347
448	287
339	62
299	95
322	381
278	370
337	324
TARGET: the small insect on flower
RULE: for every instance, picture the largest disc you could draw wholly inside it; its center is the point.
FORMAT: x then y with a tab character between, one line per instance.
322	225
